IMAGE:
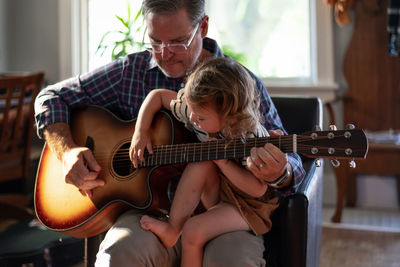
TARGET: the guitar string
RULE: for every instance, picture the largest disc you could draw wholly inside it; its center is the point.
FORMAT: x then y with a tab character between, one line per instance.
126	162
304	150
193	147
301	150
173	148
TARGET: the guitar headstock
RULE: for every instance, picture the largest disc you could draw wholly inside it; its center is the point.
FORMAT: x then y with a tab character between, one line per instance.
335	144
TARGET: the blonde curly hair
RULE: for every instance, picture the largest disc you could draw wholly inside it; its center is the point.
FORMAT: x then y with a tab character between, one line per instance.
225	85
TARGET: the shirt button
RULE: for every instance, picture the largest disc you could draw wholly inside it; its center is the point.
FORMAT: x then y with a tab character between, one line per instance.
182	85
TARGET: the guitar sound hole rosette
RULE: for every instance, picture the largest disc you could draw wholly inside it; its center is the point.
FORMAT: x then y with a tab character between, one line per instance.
120	163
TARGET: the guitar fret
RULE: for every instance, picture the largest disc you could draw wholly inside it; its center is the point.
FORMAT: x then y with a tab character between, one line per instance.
201	151
160	155
194	155
170	156
234	148
175	154
208	151
225	147
216	150
279	138
165	154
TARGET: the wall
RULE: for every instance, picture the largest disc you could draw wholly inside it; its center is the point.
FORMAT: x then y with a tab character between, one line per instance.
31	37
3	33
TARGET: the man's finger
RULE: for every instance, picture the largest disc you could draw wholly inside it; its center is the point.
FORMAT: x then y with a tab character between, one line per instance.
91	161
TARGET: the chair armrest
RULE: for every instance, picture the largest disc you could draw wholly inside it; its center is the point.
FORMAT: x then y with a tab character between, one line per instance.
295	237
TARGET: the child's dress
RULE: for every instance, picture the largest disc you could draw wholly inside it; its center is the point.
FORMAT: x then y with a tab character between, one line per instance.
255	211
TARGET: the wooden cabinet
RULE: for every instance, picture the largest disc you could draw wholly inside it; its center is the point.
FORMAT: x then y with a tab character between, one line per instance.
372	100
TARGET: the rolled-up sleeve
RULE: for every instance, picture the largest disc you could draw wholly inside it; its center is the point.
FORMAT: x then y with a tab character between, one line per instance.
51	105
99	87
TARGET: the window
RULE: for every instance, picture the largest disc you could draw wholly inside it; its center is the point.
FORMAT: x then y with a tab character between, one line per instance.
288	42
273	36
102	19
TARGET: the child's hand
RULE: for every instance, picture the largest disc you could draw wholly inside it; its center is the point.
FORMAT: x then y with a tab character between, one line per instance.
140	141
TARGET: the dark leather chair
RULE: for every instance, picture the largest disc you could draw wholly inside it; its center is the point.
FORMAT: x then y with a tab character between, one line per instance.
295	238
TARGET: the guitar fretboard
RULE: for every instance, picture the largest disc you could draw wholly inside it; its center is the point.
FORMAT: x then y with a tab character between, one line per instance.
213	150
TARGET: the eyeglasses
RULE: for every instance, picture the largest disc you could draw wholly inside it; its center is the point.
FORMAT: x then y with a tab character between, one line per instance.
174	48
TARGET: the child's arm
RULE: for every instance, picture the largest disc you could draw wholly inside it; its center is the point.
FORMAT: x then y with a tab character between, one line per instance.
154	101
242	178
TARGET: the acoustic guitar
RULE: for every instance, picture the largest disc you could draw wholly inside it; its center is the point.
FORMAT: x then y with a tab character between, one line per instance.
63	208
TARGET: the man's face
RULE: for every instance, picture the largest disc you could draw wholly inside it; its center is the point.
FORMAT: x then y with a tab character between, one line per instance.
175	29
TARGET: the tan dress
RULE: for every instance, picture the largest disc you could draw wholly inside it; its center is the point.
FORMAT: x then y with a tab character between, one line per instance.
255	211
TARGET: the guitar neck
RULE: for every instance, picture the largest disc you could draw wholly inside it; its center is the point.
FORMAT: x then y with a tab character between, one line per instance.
214	150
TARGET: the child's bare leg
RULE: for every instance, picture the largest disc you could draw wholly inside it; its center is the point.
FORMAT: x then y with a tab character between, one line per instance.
201	228
199	180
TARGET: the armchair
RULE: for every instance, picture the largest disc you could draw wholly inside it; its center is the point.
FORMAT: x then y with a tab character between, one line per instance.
295	237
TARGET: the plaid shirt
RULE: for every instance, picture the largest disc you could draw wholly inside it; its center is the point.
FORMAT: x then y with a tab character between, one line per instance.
121	87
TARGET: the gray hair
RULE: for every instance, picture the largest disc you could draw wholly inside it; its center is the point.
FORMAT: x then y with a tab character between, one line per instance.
194	8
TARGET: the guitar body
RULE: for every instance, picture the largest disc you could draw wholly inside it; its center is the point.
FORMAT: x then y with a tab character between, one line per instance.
62	207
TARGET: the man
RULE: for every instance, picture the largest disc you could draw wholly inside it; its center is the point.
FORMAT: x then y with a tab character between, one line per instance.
177	32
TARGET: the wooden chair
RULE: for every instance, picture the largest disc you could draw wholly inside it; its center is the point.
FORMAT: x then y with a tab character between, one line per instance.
17	95
372	101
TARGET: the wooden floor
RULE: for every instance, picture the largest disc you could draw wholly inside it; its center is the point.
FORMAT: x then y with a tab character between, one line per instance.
359	248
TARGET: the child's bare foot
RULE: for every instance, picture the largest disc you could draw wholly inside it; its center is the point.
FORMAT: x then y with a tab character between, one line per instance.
167	234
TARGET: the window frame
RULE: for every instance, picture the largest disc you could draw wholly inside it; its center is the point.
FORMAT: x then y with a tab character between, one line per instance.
74	46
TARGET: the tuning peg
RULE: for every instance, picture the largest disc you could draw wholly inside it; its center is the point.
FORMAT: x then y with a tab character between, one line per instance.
350	127
317	128
332	127
352	163
335	163
318	163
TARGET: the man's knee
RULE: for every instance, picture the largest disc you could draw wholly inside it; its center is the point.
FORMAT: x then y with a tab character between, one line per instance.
126	244
238	248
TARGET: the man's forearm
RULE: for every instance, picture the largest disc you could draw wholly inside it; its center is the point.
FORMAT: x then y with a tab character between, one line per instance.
58	137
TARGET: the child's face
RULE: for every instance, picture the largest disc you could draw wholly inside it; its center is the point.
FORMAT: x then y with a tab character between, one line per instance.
206	118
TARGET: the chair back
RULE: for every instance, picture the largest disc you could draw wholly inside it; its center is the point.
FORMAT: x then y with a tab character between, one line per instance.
299	114
295	237
17	95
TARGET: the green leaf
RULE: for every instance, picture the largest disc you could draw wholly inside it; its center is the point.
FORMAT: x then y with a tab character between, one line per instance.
126	24
122	41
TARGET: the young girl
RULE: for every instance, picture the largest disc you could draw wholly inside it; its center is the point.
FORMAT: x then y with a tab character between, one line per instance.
218	101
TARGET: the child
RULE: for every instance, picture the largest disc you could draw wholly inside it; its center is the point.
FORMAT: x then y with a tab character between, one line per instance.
218	101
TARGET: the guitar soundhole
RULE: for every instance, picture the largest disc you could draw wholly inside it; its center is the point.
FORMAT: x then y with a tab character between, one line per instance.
121	163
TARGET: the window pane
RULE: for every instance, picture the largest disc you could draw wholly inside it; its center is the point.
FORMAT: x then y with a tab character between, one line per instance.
273	36
270	37
102	20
